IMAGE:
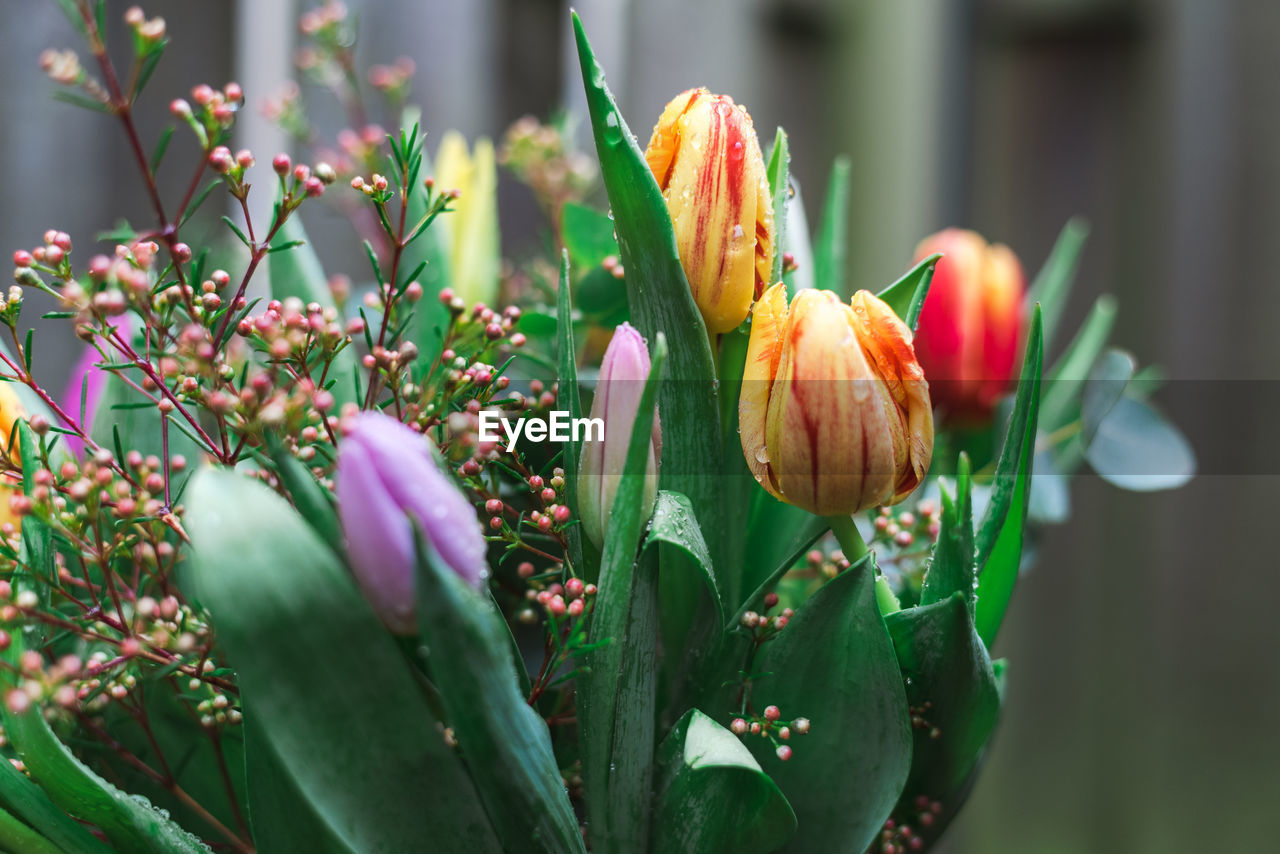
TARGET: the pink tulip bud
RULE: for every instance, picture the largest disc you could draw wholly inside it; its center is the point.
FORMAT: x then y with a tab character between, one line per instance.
617	399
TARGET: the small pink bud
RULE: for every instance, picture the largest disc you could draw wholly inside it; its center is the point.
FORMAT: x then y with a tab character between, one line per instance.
233	92
772	713
738	727
281	163
22	258
784	752
313	186
202	94
493	506
576	607
220	159
180	108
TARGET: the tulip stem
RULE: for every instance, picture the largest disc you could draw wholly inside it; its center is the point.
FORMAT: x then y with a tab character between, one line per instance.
850	538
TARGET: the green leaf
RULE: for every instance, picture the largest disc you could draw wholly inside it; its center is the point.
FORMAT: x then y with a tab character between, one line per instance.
660	301
779	172
1052	285
829	262
616	694
568	398
368	757
1136	448
16	836
162	145
297	273
588	235
951	569
131	824
712	797
503	741
1066	380
690	609
37	570
29	802
313	502
430	316
951	685
999	537
906	296
283	820
776	537
835	664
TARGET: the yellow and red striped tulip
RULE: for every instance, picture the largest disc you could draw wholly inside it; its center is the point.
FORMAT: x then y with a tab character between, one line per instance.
971	324
707	160
834	410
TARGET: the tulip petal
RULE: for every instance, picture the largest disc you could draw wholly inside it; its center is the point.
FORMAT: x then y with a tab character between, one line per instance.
415	483
379	538
665	140
764	350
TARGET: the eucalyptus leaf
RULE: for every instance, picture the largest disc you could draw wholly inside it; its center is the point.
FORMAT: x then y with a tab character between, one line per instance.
1136	448
1107	385
1065	382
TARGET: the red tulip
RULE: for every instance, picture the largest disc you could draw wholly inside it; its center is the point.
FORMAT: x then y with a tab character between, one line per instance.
971	325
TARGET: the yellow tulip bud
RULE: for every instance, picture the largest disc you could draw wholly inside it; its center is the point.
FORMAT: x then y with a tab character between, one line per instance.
707	160
834	410
471	230
11	410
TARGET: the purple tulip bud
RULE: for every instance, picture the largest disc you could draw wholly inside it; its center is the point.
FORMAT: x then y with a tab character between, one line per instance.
387	475
622	376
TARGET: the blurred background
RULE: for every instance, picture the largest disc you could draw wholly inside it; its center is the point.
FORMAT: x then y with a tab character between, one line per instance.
1143	680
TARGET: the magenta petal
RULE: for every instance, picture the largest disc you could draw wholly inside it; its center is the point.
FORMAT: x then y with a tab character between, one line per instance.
379	538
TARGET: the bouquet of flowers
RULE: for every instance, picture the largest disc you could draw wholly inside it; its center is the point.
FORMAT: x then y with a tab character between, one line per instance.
664	540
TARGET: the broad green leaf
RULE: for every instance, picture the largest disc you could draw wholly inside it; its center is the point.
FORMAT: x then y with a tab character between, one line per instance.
28	801
296	272
503	741
313	502
1052	284
660	301
711	796
951	569
1065	382
738	487
834	664
588	235
368	757
779	172
1136	448
284	821
999	537
951	686
616	694
906	296
690	609
829	261
16	836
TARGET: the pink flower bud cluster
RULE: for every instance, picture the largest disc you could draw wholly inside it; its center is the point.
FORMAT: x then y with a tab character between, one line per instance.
392	79
572	599
770	725
214	110
150	31
62	66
